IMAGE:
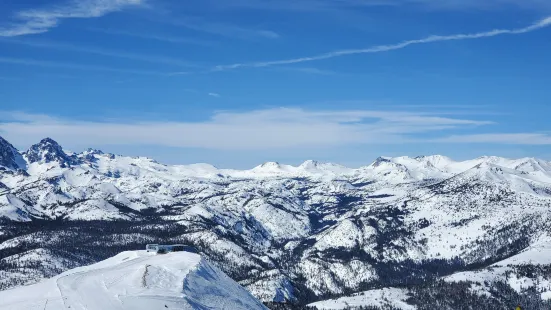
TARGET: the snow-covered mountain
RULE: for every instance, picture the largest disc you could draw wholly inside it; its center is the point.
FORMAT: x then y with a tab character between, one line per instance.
10	158
136	280
287	233
47	151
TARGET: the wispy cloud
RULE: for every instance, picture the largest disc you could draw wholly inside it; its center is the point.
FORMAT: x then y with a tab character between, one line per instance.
74	66
475	4
327	5
99	51
177	73
290	5
41	20
220	29
308	70
269	129
154	36
501	138
9	78
38	75
386	48
250	130
215	95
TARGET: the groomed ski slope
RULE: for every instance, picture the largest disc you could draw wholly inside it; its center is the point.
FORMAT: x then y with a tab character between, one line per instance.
135	280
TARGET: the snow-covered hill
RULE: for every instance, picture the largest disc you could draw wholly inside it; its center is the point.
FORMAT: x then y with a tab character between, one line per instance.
135	280
287	233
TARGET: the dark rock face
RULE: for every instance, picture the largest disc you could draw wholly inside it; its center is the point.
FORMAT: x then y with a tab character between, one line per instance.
9	156
47	151
90	155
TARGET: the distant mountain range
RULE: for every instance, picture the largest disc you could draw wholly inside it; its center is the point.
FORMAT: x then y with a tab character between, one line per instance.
402	232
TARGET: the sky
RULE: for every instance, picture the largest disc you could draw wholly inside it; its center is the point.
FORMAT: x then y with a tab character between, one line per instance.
238	83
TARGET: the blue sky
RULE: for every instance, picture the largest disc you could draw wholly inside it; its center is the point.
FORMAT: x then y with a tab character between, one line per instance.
237	83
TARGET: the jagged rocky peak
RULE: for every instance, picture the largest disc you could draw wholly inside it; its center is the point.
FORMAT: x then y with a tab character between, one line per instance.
93	151
10	157
47	151
381	160
90	154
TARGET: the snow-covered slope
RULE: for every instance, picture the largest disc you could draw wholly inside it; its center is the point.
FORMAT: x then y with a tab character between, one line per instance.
135	280
527	270
387	297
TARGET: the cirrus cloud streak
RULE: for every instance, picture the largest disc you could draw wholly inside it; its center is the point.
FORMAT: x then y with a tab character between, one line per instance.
35	21
546	22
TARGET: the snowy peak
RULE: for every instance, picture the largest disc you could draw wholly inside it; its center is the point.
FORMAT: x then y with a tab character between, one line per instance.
90	155
381	161
48	151
419	162
309	168
486	171
272	168
490	170
269	165
437	161
10	157
532	165
502	179
387	165
313	166
310	164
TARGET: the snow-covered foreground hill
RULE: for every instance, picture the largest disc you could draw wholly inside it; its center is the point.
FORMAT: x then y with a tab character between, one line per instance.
135	280
299	234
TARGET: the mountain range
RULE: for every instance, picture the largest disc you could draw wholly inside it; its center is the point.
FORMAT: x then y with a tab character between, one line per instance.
400	233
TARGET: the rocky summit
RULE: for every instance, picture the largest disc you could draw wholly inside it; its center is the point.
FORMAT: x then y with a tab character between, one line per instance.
47	151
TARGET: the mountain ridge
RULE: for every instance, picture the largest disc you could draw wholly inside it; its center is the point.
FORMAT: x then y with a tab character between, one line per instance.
49	151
